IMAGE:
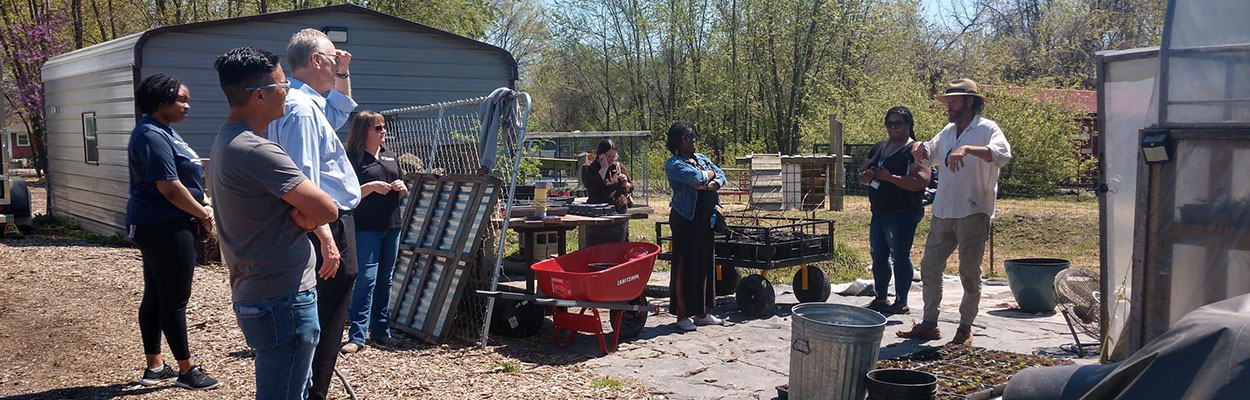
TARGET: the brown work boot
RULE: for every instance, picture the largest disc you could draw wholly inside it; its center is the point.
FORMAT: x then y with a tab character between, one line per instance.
918	331
963	335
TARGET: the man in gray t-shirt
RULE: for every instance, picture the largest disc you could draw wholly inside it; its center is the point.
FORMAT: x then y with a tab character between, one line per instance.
267	254
264	209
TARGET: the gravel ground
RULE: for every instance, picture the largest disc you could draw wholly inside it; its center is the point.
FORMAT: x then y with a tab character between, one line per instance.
68	329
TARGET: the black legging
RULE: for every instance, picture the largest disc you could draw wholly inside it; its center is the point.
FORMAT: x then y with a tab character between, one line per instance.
693	285
168	250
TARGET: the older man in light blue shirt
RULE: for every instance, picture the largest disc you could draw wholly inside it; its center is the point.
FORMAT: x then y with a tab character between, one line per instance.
307	134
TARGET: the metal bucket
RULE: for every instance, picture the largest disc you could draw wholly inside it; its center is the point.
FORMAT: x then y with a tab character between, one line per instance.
832	347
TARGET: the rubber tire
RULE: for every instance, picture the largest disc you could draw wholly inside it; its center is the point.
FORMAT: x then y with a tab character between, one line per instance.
729	280
817	285
632	322
529	318
756	297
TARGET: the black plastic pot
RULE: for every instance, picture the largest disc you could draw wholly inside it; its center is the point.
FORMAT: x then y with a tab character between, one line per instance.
901	384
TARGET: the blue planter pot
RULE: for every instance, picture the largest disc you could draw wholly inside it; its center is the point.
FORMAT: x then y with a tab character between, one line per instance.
1032	282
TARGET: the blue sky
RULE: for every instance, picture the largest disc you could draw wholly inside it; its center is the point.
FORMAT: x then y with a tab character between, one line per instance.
933	9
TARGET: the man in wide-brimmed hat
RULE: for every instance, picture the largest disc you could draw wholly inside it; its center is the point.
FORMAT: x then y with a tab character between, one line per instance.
968	153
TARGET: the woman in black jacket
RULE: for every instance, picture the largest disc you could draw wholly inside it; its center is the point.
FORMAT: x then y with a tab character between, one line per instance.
607	182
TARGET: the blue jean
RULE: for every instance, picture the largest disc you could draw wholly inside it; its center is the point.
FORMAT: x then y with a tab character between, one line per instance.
890	234
283	331
375	256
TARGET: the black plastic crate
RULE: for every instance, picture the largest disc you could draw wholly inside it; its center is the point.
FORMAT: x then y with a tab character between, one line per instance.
769	242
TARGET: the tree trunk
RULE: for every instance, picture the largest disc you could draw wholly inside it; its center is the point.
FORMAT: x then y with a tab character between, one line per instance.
76	14
39	144
99	21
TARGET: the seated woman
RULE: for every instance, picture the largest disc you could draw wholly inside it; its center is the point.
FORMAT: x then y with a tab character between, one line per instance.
607	182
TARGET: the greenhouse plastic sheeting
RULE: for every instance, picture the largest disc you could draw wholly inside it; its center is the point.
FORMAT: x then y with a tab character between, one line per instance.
1206	64
1125	97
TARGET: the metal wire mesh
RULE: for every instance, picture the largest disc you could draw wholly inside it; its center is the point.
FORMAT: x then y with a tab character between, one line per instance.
443	139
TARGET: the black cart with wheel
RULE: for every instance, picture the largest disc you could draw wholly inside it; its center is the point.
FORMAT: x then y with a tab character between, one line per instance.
764	243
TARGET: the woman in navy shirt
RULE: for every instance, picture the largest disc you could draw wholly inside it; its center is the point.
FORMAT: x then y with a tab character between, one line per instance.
165	214
377	228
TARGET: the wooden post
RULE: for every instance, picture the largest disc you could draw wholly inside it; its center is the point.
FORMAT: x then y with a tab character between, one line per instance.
839	181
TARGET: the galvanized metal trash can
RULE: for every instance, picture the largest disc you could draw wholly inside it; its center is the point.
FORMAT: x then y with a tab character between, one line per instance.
832	347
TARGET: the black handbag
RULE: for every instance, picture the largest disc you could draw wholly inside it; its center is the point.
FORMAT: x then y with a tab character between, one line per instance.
718	223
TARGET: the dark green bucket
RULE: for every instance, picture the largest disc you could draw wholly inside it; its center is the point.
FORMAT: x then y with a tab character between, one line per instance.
1032	282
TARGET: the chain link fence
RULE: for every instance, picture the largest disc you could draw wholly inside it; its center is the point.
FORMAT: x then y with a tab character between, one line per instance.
443	139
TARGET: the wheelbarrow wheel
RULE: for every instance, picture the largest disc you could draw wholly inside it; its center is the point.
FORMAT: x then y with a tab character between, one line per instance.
632	322
727	280
756	297
817	285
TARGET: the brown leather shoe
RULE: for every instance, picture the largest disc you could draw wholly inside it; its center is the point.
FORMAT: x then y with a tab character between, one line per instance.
920	333
963	335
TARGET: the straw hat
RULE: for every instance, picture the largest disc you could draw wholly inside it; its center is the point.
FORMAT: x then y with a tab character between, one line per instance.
960	87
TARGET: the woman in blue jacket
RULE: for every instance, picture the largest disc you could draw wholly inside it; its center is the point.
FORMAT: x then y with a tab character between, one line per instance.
694	179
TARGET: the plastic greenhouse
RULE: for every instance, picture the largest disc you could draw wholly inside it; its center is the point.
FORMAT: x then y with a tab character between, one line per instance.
1175	149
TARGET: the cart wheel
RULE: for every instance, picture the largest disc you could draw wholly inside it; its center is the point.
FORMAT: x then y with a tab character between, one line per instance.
633	321
817	285
517	319
727	280
756	297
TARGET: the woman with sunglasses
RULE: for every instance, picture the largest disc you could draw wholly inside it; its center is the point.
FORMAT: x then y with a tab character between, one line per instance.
167	215
378	222
895	186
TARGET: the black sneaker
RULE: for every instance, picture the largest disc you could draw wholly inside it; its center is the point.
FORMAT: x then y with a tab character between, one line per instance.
897	308
196	379
151	377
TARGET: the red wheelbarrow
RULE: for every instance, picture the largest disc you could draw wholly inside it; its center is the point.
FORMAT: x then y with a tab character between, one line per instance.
608	276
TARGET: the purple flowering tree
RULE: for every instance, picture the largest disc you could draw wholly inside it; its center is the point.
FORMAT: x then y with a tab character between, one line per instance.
26	46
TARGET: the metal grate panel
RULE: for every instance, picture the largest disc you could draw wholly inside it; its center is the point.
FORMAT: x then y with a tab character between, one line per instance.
446	218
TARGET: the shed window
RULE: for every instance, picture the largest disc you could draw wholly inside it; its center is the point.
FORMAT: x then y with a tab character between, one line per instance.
90	143
23	139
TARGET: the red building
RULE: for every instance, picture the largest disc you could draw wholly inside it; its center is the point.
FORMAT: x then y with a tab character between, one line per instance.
20	144
1081	102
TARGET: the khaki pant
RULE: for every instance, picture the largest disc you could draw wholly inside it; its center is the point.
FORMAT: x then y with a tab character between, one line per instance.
945	234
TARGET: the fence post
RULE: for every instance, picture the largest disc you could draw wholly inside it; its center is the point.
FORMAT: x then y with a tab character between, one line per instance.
839	170
438	128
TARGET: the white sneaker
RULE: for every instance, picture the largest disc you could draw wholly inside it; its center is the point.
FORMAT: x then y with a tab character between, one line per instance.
686	324
709	320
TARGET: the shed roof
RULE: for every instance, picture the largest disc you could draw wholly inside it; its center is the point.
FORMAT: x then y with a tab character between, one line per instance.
63	65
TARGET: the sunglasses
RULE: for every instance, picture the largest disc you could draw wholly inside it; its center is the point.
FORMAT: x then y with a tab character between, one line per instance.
285	85
895	124
379	128
332	55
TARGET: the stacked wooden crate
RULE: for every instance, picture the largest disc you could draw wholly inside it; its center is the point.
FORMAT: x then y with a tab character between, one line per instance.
767	182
